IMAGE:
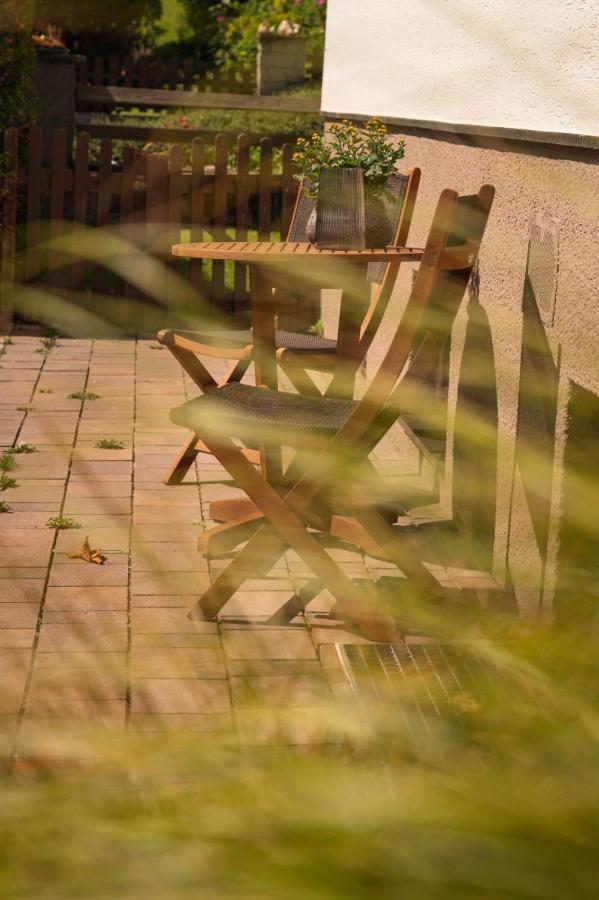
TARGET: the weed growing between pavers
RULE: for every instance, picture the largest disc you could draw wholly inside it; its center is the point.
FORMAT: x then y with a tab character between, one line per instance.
24	408
6	461
46	391
23	447
7	482
4	507
110	444
63	523
47	344
83	395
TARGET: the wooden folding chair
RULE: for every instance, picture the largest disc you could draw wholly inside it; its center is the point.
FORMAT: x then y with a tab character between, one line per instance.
297	352
333	437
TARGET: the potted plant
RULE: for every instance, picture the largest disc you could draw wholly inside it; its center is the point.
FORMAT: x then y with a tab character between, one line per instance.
368	149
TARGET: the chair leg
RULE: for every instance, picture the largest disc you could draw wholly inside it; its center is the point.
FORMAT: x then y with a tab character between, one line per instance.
255	560
183	461
299	378
225	537
362	605
237	370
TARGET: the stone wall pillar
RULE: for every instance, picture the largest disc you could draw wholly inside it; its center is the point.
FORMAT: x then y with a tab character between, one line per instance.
56	84
281	62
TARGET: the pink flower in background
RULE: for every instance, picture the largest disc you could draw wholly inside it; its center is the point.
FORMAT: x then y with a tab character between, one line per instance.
298	2
320	2
220	18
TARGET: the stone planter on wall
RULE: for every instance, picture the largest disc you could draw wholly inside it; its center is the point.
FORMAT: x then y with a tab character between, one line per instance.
281	62
55	81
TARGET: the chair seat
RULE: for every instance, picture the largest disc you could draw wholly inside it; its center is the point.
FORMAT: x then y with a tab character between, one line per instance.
288	340
243	411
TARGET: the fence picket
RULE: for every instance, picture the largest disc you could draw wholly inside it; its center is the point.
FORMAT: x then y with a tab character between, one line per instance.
128	71
58	161
9	222
114	70
98	70
156	222
219	219
197	209
80	199
289	187
151	198
242	216
142	76
175	191
173	73
158	74
34	201
103	204
265	190
187	74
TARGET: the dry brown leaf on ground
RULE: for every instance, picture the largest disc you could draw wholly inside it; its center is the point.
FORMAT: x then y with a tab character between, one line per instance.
89	555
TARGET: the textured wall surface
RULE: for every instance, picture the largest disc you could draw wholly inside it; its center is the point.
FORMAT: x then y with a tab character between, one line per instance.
561	187
531	65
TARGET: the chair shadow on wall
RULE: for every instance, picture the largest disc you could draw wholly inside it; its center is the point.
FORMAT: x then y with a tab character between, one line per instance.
475	445
577	588
537	412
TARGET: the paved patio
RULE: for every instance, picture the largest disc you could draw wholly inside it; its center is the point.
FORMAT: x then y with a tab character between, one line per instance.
113	643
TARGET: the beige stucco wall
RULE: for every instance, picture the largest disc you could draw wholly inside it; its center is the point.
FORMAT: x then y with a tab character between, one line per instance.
432	68
508	63
560	185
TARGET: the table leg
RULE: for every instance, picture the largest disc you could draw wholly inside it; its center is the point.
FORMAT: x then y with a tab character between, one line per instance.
265	361
354	303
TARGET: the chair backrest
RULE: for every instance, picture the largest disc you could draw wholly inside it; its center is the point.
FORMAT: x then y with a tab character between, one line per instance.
403	189
449	256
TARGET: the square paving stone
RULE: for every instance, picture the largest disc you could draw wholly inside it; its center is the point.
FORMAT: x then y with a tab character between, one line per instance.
19	615
173	722
177	662
180	695
51	686
276	691
88	574
82	638
81	598
267	643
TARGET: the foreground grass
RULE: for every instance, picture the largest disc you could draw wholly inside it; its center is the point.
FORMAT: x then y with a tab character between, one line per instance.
500	801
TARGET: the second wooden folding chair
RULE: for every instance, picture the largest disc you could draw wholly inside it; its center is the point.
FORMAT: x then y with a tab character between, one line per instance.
333	437
297	352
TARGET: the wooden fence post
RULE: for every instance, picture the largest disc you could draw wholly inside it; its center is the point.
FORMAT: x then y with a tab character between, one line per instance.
8	226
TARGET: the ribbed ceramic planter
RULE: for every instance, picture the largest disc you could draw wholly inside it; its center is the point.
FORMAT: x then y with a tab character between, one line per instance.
340	221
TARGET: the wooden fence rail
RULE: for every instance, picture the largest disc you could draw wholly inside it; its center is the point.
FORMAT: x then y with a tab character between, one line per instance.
109	97
152	201
174	74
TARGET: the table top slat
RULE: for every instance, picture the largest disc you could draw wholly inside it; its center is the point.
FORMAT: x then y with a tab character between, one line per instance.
279	252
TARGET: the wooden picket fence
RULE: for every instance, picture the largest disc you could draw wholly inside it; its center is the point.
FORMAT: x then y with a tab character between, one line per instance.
153	201
173	74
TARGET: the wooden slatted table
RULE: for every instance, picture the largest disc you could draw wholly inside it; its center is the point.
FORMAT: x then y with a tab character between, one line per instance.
325	268
277	264
268	252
